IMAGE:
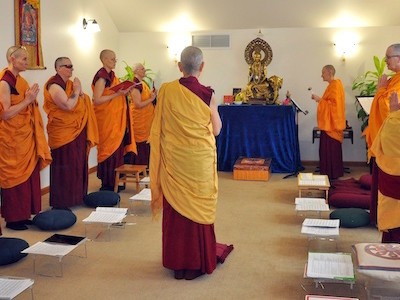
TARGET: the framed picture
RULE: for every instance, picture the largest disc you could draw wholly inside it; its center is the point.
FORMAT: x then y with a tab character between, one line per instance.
27	31
236	91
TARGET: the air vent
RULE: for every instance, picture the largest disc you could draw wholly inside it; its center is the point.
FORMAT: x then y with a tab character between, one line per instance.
211	41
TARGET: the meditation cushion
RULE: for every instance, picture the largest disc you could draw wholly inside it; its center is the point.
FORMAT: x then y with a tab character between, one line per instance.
348	193
55	219
366	181
101	198
10	250
351	217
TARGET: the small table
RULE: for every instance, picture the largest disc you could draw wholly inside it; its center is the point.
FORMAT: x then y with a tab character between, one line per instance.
64	245
315	183
129	173
347	134
11	287
143	196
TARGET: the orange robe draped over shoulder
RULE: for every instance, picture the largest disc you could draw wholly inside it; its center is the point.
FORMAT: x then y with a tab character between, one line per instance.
386	149
64	126
142	117
22	140
380	110
331	114
112	122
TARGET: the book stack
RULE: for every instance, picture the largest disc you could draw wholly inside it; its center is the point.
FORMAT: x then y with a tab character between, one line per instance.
311	204
320	228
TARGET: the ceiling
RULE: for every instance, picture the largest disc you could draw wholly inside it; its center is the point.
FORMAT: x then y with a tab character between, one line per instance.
217	15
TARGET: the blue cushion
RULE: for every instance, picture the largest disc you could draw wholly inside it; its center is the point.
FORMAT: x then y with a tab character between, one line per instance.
10	250
101	198
351	217
55	219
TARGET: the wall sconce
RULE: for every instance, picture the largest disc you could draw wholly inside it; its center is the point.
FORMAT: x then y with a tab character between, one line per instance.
91	25
345	44
177	42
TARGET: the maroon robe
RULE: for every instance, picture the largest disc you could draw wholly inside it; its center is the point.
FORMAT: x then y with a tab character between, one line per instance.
69	173
330	156
189	246
69	168
23	200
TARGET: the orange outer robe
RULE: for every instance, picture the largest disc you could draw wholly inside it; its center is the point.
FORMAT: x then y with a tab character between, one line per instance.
22	140
331	114
112	122
142	117
386	149
64	126
380	110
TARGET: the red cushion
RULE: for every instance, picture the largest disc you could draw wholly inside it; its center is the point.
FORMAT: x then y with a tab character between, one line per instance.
366	181
346	200
348	193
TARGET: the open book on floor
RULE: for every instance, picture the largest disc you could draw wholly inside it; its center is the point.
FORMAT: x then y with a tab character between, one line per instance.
109	215
337	266
320	227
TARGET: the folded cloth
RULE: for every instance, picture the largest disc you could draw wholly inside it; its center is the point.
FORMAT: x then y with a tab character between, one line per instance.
223	251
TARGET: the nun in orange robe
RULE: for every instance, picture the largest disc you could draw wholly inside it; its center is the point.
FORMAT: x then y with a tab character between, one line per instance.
142	115
72	133
331	120
386	150
24	153
378	113
115	125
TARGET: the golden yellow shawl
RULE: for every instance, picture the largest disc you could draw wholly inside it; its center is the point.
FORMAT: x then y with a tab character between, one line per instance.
22	141
183	160
64	126
380	110
386	149
331	114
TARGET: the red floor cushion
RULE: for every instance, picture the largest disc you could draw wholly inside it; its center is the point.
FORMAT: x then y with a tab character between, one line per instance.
348	193
366	181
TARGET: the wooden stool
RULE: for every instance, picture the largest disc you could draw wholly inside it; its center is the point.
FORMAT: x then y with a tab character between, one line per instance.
129	173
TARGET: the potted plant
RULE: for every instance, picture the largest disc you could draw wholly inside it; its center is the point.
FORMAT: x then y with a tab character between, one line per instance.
130	74
366	85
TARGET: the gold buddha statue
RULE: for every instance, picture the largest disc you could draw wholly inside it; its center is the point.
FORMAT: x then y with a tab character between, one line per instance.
257	86
260	88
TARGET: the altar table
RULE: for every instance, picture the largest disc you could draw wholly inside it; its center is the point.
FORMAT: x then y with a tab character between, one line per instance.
267	131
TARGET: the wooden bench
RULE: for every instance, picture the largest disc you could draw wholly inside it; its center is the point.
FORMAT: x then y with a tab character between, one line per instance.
129	173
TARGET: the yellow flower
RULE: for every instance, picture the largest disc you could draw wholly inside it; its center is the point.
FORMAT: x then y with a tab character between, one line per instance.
34	3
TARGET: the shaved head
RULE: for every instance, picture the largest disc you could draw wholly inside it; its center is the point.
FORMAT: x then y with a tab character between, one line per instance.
105	53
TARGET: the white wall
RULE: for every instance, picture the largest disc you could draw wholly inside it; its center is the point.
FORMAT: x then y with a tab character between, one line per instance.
62	36
298	56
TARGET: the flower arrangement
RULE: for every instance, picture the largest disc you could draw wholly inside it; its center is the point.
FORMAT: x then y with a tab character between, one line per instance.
130	74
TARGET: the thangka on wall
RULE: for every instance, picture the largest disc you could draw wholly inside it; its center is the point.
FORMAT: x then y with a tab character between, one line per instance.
28	31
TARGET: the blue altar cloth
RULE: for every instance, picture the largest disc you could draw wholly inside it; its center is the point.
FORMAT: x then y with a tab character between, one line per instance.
259	131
